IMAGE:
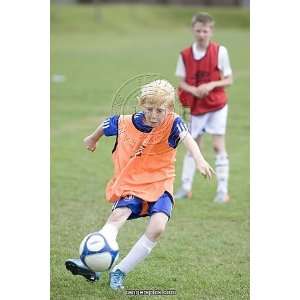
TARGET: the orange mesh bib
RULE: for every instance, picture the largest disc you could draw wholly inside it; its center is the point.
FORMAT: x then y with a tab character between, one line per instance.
143	162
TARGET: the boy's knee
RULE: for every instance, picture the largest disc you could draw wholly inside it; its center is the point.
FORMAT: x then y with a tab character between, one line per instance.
219	144
218	148
118	214
156	232
160	230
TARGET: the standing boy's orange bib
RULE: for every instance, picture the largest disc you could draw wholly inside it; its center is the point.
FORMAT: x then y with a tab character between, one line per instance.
143	162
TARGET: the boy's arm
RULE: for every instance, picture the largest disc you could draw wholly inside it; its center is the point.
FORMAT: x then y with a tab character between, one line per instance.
225	81
201	164
226	78
204	89
188	88
181	74
91	140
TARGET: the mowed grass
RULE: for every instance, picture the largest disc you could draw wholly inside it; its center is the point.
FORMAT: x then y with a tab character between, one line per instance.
204	253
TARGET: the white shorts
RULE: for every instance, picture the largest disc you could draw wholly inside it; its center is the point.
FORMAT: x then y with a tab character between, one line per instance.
211	122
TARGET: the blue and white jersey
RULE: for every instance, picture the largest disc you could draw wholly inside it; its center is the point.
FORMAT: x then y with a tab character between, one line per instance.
110	127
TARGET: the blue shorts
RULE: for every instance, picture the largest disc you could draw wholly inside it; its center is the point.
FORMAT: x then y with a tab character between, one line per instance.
141	208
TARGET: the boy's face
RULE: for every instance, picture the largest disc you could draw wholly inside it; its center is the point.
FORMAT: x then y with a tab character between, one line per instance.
202	33
154	115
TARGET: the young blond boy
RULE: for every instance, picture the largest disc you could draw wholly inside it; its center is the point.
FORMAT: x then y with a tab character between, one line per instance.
204	71
144	172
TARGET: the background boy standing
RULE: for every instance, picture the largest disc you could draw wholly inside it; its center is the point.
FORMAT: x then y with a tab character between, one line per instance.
204	71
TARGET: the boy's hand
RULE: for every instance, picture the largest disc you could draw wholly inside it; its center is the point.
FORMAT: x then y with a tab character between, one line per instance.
204	89
194	91
90	143
206	170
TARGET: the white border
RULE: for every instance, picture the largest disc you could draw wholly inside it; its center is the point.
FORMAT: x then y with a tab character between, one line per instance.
25	148
275	152
24	159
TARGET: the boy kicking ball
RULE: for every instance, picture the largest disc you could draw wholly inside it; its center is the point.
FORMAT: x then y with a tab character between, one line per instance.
144	172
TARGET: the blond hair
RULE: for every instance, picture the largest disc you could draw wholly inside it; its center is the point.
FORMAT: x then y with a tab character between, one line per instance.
203	18
158	93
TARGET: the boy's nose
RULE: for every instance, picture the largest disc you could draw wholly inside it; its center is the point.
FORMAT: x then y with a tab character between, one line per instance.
153	114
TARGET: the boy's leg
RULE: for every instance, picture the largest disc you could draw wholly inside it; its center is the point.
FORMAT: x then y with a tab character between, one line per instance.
216	126
188	172
196	127
160	211
110	230
189	168
222	168
114	222
145	244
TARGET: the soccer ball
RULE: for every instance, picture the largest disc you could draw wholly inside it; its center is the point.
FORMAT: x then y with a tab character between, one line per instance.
97	253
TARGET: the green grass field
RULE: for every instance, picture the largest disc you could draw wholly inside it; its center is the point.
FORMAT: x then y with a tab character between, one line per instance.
204	253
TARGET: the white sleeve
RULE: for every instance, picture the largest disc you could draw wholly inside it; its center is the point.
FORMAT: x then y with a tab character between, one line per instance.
224	62
180	68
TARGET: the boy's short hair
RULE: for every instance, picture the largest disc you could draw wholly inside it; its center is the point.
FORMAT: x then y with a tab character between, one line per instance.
159	92
203	18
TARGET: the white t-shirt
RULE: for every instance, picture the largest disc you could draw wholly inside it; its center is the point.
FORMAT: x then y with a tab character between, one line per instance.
223	61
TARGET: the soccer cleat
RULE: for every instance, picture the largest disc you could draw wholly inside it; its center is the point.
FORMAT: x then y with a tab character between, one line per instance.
182	193
221	197
116	279
76	267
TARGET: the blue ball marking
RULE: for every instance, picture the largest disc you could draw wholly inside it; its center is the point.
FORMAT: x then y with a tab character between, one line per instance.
86	252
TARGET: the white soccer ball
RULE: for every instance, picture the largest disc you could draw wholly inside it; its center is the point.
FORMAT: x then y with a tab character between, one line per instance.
97	253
